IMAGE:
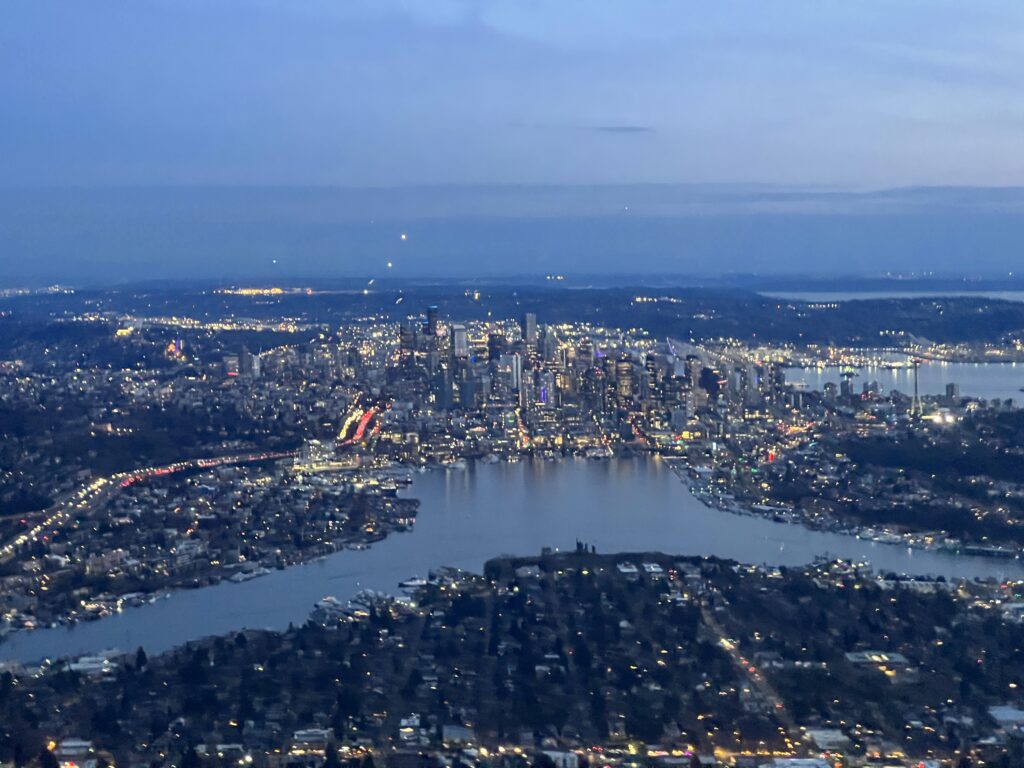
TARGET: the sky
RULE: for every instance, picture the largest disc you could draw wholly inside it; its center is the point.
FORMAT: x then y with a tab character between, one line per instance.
398	92
419	94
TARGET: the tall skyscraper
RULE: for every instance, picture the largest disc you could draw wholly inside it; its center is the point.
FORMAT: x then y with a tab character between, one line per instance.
430	327
529	327
510	366
460	341
407	339
497	345
249	364
624	378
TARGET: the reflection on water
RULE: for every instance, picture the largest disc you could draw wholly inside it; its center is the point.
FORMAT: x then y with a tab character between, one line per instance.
484	511
983	380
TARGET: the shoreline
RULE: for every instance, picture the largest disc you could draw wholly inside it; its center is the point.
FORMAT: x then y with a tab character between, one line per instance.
787	516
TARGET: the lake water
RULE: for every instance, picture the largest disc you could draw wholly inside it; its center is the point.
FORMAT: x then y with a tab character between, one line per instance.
469	516
984	380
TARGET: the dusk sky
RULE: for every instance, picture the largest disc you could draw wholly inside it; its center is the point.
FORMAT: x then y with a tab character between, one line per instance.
399	94
395	92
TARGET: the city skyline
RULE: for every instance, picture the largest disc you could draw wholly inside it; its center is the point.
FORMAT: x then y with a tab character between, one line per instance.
511	384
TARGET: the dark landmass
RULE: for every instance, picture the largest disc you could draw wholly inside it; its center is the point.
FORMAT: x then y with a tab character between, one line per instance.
687	313
571	652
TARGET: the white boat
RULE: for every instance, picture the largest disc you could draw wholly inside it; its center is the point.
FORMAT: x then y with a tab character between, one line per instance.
414	582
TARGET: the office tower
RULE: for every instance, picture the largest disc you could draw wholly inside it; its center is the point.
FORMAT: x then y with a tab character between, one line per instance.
441	389
497	345
468	389
778	377
430	327
527	387
624	379
529	328
249	364
460	341
593	390
952	391
511	367
549	343
407	339
846	385
585	354
547	394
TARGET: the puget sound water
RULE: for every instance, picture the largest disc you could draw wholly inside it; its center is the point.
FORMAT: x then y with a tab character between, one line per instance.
469	516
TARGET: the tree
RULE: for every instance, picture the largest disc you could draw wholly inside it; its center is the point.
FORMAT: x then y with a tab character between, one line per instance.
48	760
140	659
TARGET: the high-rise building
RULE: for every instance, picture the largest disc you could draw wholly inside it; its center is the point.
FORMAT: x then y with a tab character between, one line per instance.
460	341
846	385
231	365
430	327
585	354
529	327
249	364
497	345
624	378
441	389
511	367
407	339
468	389
549	344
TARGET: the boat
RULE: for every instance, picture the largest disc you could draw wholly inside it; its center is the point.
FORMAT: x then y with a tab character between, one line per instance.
415	582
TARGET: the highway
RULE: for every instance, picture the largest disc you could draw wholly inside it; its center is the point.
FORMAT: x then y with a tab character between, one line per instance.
87	498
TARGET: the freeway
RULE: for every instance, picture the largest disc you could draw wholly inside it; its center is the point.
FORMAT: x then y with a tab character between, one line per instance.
87	498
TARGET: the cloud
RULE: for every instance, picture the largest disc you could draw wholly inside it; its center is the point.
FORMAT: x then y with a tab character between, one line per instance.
622	129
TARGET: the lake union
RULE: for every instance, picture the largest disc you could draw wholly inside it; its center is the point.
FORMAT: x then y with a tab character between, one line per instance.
468	516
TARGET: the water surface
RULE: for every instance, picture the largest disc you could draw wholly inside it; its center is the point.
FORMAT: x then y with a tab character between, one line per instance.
833	296
469	516
982	380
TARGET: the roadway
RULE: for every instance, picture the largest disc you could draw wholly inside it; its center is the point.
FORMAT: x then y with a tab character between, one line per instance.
88	498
